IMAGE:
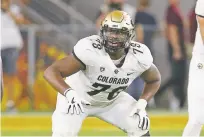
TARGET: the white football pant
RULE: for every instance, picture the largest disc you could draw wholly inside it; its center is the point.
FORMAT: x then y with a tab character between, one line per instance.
117	113
195	98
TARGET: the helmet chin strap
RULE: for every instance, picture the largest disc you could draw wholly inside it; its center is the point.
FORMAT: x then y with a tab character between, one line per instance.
112	50
115	55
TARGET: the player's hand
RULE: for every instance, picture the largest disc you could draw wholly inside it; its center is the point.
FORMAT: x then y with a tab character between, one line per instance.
177	55
74	102
139	110
144	122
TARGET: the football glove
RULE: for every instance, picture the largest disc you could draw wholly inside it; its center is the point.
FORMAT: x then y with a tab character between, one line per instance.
139	110
74	102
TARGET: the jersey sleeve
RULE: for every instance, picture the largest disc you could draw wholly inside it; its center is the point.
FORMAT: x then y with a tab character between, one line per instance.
144	59
199	9
171	17
83	53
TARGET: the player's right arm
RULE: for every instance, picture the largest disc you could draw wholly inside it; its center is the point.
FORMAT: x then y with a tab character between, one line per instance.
60	69
71	64
78	60
55	73
199	10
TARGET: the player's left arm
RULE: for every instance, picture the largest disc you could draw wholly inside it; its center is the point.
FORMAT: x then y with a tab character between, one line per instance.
152	80
201	24
151	76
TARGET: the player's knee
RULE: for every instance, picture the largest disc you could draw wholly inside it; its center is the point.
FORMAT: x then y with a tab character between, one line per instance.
196	120
64	131
64	126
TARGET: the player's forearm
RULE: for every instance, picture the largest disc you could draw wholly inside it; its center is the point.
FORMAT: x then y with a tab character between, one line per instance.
173	38
150	89
139	33
201	26
152	80
53	76
99	20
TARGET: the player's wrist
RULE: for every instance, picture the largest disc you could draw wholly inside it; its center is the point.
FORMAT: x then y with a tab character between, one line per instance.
141	104
67	92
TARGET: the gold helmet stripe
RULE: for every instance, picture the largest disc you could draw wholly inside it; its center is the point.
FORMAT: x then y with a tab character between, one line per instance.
117	16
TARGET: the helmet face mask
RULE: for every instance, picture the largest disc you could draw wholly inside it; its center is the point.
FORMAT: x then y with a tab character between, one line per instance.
115	39
116	31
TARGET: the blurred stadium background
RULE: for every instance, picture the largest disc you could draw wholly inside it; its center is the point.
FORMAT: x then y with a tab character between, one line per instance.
50	28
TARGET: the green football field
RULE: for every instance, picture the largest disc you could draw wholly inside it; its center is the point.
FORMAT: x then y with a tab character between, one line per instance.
39	124
100	132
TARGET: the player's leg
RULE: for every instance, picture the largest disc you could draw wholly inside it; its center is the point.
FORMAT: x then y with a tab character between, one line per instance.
118	115
179	76
195	99
63	124
9	59
196	118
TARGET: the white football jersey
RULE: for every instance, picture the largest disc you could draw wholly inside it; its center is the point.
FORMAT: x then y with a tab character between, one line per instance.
102	81
199	47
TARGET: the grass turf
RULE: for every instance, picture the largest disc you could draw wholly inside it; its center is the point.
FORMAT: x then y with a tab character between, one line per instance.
13	125
95	132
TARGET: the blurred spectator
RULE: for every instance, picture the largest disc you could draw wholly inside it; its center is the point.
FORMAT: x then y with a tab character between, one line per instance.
192	25
145	24
177	55
10	46
111	5
22	62
16	13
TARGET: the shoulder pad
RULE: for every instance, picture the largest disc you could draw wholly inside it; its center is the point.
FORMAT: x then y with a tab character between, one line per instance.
85	49
142	54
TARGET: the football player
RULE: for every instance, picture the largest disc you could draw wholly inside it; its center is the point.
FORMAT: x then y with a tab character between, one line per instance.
97	74
196	78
